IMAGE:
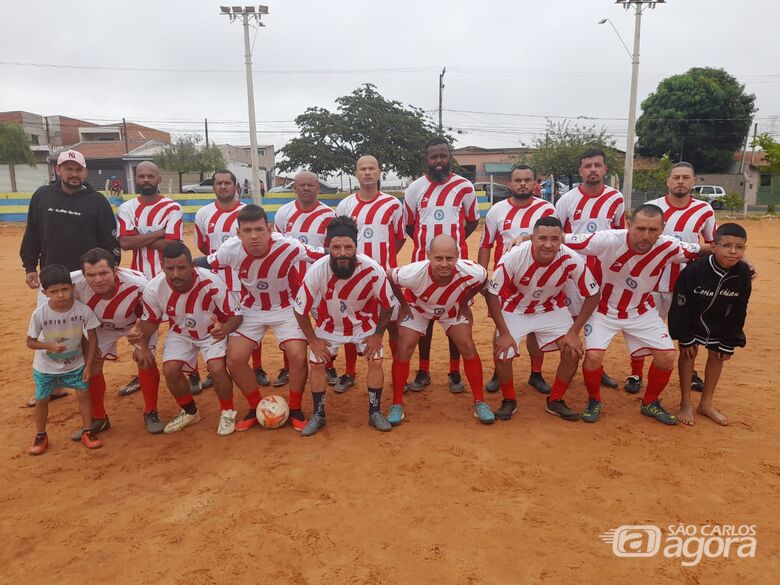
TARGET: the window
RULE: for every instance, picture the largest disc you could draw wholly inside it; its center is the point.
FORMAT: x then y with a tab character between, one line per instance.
707	191
34	139
766	180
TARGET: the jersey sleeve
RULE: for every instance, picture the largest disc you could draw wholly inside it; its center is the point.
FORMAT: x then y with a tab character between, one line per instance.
341	208
173	225
685	252
397	222
201	241
222	262
223	302
587	284
469	204
562	211
92	321
36	325
619	217
709	227
681	310
382	291
588	244
406	276
126	221
411	201
490	231
308	294
279	222
501	282
152	311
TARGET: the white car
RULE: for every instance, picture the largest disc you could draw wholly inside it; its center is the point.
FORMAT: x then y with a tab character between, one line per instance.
713	194
205	186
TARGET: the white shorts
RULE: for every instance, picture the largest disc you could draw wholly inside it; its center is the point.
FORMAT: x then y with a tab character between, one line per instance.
663	300
548	327
107	341
336	341
281	321
642	334
419	322
185	349
574	299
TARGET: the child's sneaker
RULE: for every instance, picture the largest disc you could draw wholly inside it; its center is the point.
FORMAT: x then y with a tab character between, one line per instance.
89	438
40	445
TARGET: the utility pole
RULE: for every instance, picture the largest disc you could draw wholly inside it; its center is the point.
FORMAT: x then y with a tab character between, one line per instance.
127	146
243	14
441	97
206	121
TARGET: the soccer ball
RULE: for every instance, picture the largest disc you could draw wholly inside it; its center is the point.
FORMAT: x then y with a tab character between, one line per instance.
272	412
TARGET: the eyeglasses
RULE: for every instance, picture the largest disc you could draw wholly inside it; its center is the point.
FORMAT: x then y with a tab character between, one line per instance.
739	248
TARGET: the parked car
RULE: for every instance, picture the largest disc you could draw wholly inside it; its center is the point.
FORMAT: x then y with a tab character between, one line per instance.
288	188
500	192
205	186
713	194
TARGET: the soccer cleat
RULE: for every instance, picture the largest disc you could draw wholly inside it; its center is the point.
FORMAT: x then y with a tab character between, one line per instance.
282	378
195	386
98	426
379	422
249	421
697	383
297	420
89	438
608	381
180	421
456	384
658	412
331	376
493	384
227	423
592	411
154	426
40	444
346	381
315	423
421	380
262	377
207	383
535	380
131	387
561	409
396	414
483	413
506	410
633	384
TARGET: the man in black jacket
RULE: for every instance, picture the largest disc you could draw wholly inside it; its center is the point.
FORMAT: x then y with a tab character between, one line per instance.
66	218
708	308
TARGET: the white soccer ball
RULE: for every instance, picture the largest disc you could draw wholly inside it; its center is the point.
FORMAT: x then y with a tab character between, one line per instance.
272	412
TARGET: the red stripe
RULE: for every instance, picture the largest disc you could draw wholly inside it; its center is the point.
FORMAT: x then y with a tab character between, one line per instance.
613	209
313	216
664	261
113	305
525	222
192	296
649	257
683	219
212	222
441	199
623	303
700	222
353	282
606	293
550	270
270	258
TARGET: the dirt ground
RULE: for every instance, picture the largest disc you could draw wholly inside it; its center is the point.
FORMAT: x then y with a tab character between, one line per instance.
441	499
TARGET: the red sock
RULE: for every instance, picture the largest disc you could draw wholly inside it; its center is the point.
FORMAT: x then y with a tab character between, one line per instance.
296	398
593	382
350	357
226	404
253	398
97	395
559	388
182	400
286	361
257	358
473	370
536	363
656	382
508	390
455	365
637	365
400	376
425	365
150	384
393	348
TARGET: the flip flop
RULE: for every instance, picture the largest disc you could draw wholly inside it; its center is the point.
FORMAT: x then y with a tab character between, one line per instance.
31	403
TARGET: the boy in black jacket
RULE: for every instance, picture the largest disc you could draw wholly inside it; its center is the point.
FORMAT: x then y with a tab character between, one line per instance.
708	308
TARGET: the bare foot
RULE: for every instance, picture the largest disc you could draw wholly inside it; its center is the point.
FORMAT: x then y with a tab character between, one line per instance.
685	415
713	414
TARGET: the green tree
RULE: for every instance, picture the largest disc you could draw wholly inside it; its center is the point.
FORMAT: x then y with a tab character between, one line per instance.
14	149
364	123
186	155
559	150
700	116
654	179
771	150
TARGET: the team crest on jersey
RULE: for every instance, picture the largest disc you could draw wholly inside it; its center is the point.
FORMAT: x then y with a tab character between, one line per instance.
190	323
262	285
438	215
342	306
588	329
368	233
537	294
591	227
631	283
303	239
225	237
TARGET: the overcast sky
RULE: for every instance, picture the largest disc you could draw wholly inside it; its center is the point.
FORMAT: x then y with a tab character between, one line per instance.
527	59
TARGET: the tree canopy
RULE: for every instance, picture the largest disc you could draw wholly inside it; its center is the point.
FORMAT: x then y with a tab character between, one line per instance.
14	145
771	150
701	116
185	155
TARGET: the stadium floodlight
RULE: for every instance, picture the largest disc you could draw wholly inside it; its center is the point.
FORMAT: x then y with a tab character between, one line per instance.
238	10
262	9
249	9
224	9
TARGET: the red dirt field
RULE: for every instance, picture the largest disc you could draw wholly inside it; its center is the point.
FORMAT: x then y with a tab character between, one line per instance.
440	499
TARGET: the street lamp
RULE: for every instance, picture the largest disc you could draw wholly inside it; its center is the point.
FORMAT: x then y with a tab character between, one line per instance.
244	13
639	7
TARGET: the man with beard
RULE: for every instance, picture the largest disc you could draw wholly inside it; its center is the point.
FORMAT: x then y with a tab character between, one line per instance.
439	202
591	207
507	221
201	312
353	304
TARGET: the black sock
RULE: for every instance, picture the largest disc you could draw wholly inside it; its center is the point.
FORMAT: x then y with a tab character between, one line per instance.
374	398
251	413
297	414
190	407
318	398
43	434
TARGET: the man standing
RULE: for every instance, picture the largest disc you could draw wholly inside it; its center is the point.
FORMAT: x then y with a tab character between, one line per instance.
380	222
201	313
353	304
439	202
505	222
591	207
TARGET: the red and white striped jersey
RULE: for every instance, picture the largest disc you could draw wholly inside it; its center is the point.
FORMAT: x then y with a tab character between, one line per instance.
189	313
348	306
307	226
628	277
585	214
526	286
121	311
214	225
264	282
439	208
686	224
380	225
506	222
137	218
433	300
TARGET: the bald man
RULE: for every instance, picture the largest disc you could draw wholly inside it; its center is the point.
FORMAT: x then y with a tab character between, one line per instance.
438	289
380	221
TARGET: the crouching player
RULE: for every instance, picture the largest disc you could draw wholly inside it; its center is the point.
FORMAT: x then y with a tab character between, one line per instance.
438	289
526	296
708	308
201	312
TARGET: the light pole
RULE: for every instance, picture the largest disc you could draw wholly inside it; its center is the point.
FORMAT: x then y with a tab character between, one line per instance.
639	7
441	96
244	13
